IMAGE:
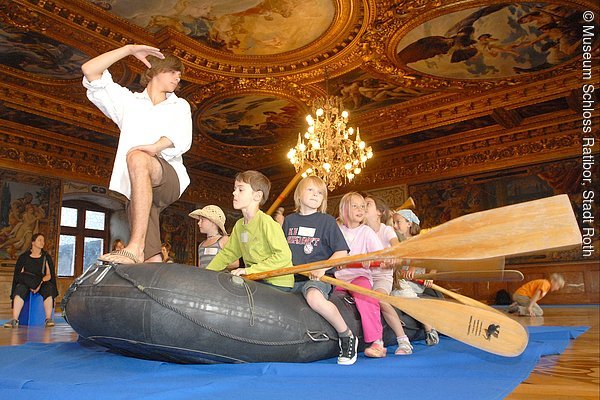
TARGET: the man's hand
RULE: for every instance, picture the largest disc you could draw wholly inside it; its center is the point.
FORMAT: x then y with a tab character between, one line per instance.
151	149
141	51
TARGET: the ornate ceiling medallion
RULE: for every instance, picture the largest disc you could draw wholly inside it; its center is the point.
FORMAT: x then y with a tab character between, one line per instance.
251	120
497	41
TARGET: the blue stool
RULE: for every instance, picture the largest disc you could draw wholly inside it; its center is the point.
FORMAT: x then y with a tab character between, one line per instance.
33	311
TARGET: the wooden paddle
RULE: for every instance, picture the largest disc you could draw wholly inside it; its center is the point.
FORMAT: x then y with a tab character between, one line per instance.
506	275
453	246
408	204
290	186
487	330
459	297
494	266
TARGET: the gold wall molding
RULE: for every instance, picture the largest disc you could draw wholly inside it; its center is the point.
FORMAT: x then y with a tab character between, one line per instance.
443	109
509	148
58	102
54	159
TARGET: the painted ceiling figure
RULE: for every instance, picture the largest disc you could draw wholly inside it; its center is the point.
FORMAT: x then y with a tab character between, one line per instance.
458	41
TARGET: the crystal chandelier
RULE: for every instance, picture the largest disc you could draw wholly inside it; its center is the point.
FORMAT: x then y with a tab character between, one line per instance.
332	150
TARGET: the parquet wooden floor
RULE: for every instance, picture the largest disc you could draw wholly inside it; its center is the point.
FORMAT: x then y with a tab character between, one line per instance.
571	375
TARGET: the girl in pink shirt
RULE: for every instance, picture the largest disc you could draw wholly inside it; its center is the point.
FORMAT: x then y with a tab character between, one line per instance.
361	239
377	213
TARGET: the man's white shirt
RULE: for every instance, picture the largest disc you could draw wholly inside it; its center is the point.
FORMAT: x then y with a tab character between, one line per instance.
141	123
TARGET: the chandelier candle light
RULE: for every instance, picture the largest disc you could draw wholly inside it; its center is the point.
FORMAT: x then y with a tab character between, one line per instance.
334	153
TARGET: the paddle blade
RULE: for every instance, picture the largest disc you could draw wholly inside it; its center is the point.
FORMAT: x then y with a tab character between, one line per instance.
507	275
490	331
501	232
475	241
487	330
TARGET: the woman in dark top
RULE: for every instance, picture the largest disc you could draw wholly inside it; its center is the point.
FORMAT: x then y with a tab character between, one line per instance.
32	265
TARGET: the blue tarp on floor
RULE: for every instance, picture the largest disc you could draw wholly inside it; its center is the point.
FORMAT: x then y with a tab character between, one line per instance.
450	370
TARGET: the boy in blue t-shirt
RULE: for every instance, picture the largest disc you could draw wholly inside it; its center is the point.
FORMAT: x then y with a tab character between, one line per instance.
313	236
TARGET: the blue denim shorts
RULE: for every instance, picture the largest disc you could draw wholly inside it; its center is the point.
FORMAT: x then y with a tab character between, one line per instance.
303	287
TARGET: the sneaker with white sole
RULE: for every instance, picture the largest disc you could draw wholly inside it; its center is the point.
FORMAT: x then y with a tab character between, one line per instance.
348	350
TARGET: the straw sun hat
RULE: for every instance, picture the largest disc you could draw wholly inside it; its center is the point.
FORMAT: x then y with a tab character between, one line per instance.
213	214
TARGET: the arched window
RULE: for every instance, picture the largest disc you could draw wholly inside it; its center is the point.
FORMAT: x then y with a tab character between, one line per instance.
84	236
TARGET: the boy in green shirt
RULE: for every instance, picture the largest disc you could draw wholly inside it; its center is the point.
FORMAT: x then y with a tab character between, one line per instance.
257	238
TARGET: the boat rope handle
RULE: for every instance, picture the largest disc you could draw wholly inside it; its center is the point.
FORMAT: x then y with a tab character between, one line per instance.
242	282
318	336
101	276
250	302
87	274
159	301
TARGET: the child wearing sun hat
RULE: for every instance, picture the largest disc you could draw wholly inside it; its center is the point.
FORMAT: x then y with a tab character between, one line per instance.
211	221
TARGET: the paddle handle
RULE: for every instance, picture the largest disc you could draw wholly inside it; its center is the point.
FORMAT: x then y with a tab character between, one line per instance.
506	275
408	204
372	264
296	269
290	186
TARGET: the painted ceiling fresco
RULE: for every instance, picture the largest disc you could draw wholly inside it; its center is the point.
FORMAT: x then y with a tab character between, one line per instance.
37	54
361	91
495	41
242	27
251	120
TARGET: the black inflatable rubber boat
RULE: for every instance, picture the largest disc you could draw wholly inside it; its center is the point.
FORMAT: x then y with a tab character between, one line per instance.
183	314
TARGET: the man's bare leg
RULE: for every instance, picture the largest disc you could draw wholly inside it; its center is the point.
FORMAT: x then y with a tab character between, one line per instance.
145	172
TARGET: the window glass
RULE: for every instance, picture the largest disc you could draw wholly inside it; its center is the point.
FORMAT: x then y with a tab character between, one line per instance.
94	220
92	249
68	217
66	255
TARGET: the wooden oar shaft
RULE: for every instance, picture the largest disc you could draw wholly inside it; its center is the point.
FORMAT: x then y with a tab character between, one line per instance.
408	203
507	275
284	193
464	242
352	262
487	330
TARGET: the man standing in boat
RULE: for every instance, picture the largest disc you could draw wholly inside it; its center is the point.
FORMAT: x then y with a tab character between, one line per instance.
156	130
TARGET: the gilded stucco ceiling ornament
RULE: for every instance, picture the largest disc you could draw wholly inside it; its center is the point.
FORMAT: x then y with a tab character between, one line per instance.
21	17
268	85
391	17
376	43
